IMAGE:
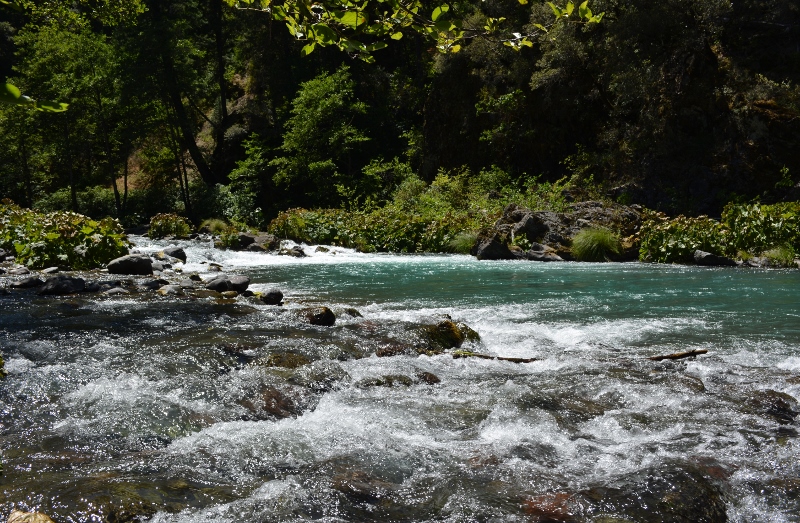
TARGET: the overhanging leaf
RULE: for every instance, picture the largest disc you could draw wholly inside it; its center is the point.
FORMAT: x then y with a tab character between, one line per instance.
439	11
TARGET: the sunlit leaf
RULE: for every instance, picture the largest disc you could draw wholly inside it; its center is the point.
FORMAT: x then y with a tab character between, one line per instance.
439	11
308	49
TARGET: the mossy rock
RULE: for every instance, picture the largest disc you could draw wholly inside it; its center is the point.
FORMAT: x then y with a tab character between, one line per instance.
445	335
287	360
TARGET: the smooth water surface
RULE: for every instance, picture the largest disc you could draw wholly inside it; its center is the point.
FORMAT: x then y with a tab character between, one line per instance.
171	410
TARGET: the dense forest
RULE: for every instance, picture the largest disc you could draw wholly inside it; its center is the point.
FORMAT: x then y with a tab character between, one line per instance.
209	110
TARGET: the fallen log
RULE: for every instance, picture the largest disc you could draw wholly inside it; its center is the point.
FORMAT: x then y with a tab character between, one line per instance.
468	354
679	355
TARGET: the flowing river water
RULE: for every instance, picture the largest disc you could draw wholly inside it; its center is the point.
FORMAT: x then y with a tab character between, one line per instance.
171	409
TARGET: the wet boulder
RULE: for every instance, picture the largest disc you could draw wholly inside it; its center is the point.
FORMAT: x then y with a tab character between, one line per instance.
238	283
779	406
27	283
296	252
19	271
62	284
170	290
674	493
447	334
286	360
491	245
319	376
175	252
136	264
269	242
218	284
154	285
712	260
322	316
271	297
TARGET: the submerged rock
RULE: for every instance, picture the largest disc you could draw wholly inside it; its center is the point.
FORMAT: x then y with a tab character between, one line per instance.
678	494
27	283
287	360
319	316
712	260
62	284
779	406
136	264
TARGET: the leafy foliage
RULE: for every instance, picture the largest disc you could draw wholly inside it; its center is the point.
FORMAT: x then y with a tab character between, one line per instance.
665	240
441	217
169	224
60	238
745	230
595	245
757	227
362	28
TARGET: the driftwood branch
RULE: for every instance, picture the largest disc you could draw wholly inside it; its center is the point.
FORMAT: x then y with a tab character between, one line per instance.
468	354
679	355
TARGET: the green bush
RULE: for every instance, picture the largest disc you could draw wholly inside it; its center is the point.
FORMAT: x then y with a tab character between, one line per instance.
595	245
665	240
756	228
444	216
60	238
228	237
168	224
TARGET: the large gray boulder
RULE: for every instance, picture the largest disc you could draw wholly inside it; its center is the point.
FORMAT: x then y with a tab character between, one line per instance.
176	252
712	260
224	283
137	264
62	284
490	246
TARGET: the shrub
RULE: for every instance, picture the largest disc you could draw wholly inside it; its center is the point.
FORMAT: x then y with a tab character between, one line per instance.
229	237
666	240
756	228
168	224
60	238
595	245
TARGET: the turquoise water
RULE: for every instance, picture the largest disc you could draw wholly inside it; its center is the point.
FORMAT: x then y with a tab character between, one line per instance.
140	405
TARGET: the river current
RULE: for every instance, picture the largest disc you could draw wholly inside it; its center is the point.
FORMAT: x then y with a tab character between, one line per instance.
168	410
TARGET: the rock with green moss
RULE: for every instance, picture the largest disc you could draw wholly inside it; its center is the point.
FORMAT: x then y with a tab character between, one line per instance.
287	360
445	335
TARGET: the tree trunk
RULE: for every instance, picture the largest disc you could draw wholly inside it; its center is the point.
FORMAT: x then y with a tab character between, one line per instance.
219	73
26	171
175	101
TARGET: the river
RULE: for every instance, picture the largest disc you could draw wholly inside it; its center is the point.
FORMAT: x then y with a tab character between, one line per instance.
143	408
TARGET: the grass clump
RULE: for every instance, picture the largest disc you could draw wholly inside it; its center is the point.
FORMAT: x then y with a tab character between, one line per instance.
595	245
213	226
168	224
781	256
463	242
